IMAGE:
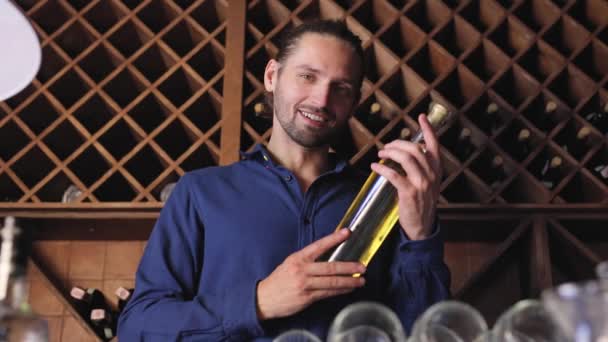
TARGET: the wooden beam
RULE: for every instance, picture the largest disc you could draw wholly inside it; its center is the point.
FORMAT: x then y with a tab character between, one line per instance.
574	246
233	82
540	271
502	249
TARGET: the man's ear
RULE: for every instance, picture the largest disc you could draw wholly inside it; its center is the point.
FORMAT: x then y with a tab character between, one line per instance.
271	74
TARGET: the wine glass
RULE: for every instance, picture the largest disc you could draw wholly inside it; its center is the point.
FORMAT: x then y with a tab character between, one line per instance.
70	194
296	335
601	270
366	322
527	320
449	321
487	336
580	309
166	191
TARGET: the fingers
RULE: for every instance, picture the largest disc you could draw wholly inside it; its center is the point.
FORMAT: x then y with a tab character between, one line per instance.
415	150
334	283
322	294
317	248
334	268
411	159
430	139
421	163
397	180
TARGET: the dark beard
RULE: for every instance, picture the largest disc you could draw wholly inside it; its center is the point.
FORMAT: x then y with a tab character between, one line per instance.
308	138
305	137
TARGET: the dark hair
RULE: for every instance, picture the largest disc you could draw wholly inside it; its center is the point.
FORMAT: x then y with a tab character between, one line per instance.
334	28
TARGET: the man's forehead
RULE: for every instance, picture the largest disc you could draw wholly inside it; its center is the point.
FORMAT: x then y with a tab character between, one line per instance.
316	51
320	40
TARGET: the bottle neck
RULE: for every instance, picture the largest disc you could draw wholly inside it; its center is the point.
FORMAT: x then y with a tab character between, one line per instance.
17	293
15	300
13	262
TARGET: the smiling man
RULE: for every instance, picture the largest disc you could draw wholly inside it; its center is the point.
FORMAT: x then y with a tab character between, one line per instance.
233	254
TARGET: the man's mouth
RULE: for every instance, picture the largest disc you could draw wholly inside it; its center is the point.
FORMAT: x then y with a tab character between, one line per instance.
314	117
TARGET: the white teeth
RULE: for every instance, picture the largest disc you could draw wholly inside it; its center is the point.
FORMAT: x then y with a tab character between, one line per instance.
313	117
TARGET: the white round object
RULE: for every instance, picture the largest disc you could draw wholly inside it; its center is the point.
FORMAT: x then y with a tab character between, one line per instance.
21	55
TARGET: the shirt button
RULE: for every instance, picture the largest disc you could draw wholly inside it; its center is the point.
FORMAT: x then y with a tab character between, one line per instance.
288	178
306	221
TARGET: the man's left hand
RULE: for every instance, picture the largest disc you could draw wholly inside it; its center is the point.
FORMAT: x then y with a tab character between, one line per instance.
418	188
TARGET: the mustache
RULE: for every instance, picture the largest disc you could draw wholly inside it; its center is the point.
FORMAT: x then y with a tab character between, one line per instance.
317	111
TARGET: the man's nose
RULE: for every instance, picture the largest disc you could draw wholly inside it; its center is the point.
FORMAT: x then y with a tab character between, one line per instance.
321	95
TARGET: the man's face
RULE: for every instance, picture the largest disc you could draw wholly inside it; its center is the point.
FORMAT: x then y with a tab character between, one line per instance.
314	89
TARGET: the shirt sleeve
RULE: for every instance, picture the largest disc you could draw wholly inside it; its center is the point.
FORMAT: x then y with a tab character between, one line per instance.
166	305
418	276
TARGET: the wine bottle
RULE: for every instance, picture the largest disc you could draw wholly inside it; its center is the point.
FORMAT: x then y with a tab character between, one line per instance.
521	149
601	171
376	121
260	109
548	118
104	323
123	295
261	119
405	134
599	119
374	211
375	108
17	321
492	118
496	172
550	174
87	300
602	120
464	147
579	145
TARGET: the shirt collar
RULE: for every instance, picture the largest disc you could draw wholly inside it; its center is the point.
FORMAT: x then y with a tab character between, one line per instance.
260	153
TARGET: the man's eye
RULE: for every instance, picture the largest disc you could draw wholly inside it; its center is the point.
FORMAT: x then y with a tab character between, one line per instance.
344	90
307	77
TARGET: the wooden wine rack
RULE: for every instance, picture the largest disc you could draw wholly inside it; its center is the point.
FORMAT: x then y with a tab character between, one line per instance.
132	94
129	98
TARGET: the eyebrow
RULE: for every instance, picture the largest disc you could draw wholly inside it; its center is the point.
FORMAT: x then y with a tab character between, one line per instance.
317	71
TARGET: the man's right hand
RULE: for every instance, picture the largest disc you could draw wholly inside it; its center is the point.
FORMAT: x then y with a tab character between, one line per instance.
300	281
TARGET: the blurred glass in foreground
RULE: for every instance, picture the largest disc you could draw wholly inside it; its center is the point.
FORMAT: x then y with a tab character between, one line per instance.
18	323
449	321
366	322
527	320
601	270
580	309
296	335
487	336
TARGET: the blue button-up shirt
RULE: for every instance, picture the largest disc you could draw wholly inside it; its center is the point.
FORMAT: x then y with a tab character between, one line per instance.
224	229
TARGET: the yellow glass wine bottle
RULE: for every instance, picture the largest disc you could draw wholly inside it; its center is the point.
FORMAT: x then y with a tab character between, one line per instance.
374	211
